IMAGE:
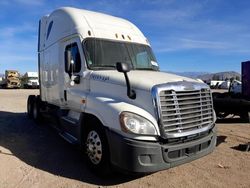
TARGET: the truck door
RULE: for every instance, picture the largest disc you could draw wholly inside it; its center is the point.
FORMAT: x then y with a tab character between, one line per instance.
73	92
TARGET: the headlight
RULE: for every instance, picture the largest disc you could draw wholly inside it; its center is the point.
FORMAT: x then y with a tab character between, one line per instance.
134	123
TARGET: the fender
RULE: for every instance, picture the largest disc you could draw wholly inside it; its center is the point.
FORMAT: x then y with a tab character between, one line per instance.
108	110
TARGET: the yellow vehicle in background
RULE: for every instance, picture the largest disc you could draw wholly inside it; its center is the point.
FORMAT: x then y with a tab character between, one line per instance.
11	80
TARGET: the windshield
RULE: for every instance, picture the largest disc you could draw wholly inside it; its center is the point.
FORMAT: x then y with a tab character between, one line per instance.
104	54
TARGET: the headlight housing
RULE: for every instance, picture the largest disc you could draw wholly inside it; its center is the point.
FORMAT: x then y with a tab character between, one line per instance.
133	123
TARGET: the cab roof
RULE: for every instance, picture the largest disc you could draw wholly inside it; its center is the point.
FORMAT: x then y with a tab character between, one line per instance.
67	21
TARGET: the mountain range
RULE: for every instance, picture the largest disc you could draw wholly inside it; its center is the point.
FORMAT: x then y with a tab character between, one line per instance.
205	76
189	74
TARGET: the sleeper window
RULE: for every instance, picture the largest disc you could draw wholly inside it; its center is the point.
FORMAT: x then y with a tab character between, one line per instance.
49	29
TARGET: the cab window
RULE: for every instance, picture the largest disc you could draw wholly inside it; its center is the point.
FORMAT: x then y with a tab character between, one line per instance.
75	58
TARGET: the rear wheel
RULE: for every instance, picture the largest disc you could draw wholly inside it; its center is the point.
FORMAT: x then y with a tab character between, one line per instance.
36	109
96	149
30	105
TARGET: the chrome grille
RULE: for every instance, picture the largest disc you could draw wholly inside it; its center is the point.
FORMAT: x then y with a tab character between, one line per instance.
184	111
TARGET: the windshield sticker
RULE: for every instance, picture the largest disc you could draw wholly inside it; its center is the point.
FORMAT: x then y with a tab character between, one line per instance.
154	63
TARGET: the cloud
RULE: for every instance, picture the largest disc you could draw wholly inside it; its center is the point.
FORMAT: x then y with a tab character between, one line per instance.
18	47
12	59
31	2
162	17
122	8
13	31
20	58
189	28
197	44
4	2
180	44
12	48
223	46
172	26
170	12
23	2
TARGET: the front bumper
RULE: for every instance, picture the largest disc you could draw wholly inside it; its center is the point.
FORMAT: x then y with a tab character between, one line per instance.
31	85
146	157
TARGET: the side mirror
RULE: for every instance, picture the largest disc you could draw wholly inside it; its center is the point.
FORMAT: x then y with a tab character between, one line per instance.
77	79
68	65
122	67
125	68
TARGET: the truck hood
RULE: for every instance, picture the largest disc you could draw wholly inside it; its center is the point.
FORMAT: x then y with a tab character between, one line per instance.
144	80
33	80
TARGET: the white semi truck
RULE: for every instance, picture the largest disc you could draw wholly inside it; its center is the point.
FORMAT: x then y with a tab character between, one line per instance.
30	80
99	77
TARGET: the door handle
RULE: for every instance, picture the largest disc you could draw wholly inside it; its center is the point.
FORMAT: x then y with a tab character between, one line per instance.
65	95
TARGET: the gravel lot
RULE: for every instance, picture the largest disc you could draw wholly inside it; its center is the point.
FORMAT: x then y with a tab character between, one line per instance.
35	156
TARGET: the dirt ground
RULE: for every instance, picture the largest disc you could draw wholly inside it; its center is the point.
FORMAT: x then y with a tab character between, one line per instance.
35	156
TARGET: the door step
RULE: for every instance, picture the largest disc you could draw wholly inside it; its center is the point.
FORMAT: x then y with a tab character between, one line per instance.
69	138
69	120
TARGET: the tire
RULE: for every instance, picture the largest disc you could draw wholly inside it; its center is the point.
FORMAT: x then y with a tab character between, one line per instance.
222	115
96	150
245	116
36	109
30	105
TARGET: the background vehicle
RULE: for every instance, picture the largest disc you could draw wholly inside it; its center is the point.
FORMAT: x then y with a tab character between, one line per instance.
99	77
30	80
237	100
1	79
11	80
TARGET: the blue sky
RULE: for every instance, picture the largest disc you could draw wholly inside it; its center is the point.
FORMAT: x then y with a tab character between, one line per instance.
186	35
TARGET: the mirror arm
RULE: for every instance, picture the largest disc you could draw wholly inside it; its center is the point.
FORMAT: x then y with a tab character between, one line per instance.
124	68
130	92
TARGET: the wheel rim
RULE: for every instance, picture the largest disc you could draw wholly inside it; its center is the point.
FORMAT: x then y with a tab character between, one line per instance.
94	147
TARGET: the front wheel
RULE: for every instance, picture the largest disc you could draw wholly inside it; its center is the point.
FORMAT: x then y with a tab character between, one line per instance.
96	149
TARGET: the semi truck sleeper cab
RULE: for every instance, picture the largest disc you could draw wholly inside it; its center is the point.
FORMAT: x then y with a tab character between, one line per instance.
98	75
